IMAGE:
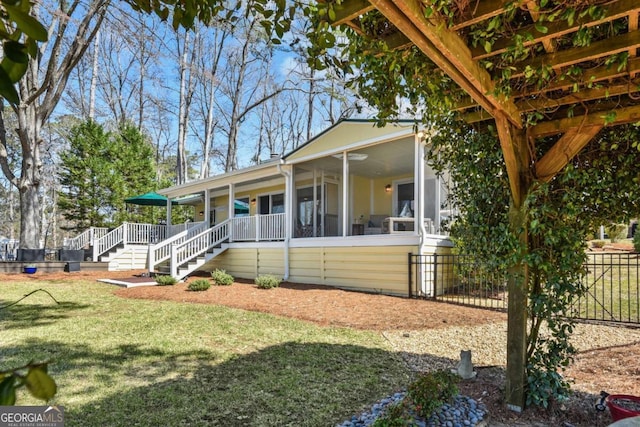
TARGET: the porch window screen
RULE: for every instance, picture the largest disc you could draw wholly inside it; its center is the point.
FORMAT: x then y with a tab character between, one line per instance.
404	200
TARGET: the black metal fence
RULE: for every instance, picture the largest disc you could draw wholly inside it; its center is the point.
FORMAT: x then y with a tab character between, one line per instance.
611	282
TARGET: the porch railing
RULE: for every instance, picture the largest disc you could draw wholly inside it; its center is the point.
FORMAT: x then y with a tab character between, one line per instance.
127	233
258	228
179	228
109	241
161	251
198	245
145	233
85	238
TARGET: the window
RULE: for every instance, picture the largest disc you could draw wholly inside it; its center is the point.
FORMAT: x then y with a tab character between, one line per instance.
271	204
241	207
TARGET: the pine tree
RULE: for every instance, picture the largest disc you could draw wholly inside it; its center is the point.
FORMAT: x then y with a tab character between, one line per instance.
99	171
83	177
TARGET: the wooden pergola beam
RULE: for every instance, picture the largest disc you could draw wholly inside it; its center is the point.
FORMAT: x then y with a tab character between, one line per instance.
457	74
530	35
633	26
540	104
590	77
476	117
397	41
534	10
563	151
449	52
350	10
622	115
596	50
581	96
516	158
482	11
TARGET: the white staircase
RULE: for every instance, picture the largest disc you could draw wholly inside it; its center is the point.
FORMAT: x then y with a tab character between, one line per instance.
130	257
186	252
127	247
196	263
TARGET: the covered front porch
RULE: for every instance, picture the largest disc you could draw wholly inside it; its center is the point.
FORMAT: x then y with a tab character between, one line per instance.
350	197
373	182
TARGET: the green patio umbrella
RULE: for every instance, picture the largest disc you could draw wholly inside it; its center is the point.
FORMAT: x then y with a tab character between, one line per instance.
149	199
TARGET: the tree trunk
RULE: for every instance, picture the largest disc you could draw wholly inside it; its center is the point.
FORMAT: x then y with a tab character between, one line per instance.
40	90
181	166
208	135
30	202
312	95
94	77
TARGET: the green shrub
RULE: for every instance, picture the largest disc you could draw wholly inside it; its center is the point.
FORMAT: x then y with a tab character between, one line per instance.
617	231
199	285
166	280
432	390
267	281
598	244
221	278
394	415
636	241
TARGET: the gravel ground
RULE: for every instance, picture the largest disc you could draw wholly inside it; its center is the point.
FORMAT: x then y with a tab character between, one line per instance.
429	350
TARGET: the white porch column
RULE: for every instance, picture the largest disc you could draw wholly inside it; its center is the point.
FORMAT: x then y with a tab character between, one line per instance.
232	210
289	188
207	207
168	214
418	188
289	206
314	220
425	274
323	209
436	221
345	194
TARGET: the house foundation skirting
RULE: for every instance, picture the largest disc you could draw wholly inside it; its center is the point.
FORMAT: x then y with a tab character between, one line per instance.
355	264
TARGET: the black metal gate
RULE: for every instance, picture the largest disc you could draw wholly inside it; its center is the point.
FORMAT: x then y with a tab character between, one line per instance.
611	281
612	288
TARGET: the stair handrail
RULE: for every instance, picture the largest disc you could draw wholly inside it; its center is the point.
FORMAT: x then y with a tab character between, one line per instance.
198	245
85	238
110	240
161	251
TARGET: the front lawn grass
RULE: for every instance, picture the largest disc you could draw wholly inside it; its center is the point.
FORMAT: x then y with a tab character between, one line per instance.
121	362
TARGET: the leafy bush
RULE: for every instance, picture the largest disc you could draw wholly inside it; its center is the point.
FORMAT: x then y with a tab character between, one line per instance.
617	231
267	281
394	415
221	278
431	391
199	285
598	244
636	241
166	280
424	396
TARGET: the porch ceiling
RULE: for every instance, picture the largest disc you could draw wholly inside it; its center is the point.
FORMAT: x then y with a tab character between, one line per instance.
391	158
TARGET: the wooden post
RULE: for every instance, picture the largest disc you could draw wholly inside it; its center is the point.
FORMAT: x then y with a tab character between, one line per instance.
516	156
517	309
